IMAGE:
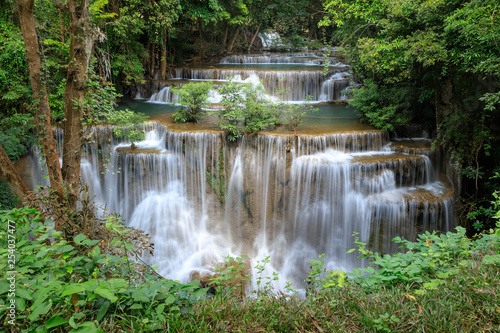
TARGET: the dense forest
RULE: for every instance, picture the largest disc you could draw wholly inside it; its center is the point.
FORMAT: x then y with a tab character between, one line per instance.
67	63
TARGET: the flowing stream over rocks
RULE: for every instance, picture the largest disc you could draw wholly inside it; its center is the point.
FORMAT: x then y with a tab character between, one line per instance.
291	197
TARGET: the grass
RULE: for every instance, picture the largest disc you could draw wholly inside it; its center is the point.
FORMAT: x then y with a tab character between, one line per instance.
445	283
469	301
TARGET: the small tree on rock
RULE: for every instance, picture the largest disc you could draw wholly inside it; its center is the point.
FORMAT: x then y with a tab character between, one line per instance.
194	99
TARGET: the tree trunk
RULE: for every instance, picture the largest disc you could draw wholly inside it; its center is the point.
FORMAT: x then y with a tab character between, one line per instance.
152	62
163	64
253	38
9	173
74	96
224	39
232	39
42	108
200	28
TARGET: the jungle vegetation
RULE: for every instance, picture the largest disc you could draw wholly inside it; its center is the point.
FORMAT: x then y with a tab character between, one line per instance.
67	62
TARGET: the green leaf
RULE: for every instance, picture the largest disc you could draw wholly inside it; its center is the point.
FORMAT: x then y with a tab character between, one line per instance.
106	292
136	306
170	299
86	327
55	321
160	308
40	310
491	259
73	289
79	238
23	293
102	311
4	287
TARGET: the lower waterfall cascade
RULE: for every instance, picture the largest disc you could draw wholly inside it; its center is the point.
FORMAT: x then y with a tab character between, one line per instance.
290	197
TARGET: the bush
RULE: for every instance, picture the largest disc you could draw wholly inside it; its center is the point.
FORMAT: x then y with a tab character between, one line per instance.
129	124
247	108
77	286
194	99
7	199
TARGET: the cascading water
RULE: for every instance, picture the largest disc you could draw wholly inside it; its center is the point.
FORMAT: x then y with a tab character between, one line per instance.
290	197
301	75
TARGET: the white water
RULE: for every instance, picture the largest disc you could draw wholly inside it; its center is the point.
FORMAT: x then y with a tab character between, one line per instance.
291	199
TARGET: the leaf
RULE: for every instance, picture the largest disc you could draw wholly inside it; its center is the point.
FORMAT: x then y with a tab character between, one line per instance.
136	306
40	310
86	327
170	299
102	311
79	238
491	259
23	293
160	308
4	287
73	289
55	321
106	292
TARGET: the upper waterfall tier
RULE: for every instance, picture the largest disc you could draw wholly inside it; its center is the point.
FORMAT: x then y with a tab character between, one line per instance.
298	75
306	58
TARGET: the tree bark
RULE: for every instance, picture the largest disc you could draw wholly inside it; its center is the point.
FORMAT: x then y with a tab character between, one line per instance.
224	39
232	39
74	96
9	173
42	108
253	38
163	64
152	62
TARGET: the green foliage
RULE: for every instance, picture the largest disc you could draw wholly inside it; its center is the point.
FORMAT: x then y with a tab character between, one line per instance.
15	134
129	124
77	286
247	108
230	277
100	102
436	60
264	283
293	114
194	99
7	199
14	81
384	107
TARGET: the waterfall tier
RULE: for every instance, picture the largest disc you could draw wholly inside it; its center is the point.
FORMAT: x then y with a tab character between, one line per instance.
201	197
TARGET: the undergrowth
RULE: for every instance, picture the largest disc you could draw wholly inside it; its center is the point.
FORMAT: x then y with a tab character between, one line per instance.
442	283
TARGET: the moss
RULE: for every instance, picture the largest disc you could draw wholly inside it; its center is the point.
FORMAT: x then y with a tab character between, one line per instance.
217	178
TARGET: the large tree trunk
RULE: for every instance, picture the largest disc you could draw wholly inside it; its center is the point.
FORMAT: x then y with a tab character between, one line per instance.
224	39
9	173
42	108
253	38
152	62
74	97
232	39
163	64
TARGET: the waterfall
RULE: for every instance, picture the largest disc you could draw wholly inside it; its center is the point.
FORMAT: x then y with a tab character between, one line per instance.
293	198
270	39
298	58
165	95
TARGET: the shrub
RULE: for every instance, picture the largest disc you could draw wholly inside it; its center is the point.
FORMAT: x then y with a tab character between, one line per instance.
194	99
77	286
129	124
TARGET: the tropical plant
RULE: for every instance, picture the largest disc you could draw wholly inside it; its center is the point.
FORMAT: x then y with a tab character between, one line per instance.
194	99
129	124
